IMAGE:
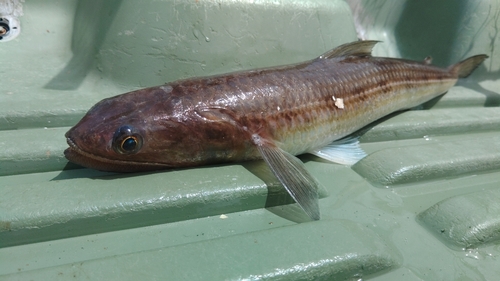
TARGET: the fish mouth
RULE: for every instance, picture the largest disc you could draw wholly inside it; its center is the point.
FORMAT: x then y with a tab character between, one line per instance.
78	156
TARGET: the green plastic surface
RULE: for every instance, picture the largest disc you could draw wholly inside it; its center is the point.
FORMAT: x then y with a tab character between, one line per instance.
423	205
469	220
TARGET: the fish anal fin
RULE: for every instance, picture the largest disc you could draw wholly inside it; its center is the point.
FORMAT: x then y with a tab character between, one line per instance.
358	48
292	174
345	151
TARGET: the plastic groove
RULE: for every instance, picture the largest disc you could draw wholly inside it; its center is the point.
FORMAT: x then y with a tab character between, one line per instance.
66	208
32	151
465	221
411	164
297	252
419	123
69	203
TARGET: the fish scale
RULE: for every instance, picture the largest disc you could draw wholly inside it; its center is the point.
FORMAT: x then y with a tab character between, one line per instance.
272	114
358	92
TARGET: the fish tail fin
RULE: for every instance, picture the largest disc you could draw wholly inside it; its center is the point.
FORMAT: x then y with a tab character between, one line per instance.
465	67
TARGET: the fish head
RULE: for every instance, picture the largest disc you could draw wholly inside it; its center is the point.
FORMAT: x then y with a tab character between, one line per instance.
137	131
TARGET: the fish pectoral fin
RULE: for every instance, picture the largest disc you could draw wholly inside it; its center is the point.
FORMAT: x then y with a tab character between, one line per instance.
345	151
291	172
358	48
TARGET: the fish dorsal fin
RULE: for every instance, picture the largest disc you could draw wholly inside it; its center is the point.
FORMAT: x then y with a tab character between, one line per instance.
358	48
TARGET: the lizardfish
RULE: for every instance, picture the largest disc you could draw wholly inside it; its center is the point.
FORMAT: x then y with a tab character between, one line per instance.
271	114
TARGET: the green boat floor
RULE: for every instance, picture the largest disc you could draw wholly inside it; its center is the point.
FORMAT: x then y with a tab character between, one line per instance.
468	220
423	205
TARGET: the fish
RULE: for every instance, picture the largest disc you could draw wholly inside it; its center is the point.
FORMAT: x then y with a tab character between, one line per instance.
272	114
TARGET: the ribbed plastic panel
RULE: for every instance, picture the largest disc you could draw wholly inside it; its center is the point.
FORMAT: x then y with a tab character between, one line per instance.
423	205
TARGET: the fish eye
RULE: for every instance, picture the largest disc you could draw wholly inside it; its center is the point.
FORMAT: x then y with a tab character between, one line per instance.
129	144
127	140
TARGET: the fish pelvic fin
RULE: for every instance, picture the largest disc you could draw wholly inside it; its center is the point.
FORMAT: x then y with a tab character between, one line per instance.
465	67
358	49
292	174
345	151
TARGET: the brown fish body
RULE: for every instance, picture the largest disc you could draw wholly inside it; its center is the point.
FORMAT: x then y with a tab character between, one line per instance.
270	113
306	106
